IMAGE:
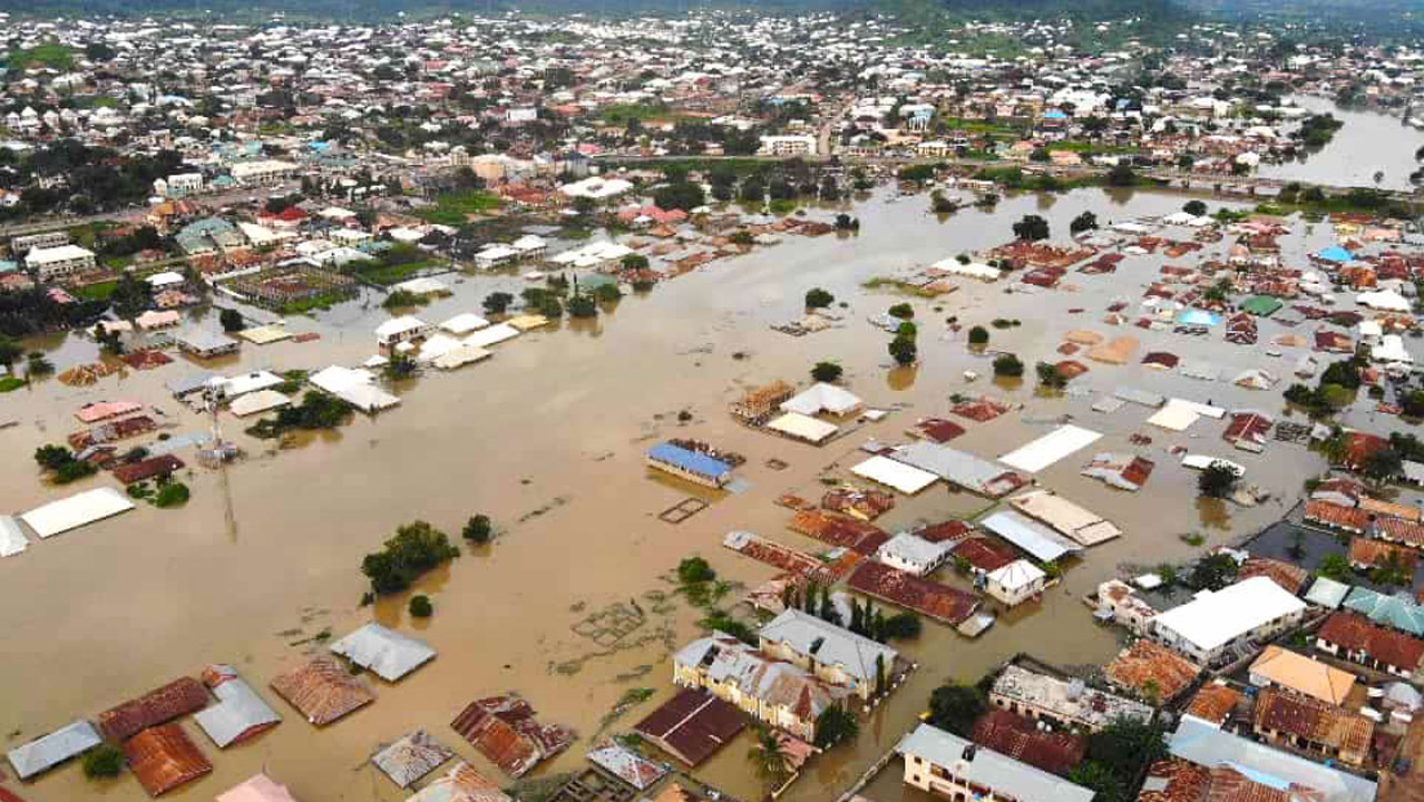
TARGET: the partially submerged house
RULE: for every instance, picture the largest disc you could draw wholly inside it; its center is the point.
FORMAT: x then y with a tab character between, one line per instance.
387	653
832	653
164	758
1305	723
411	757
1353	637
692	725
951	767
240	713
178	698
690	465
323	690
1205	628
505	730
47	751
1059	701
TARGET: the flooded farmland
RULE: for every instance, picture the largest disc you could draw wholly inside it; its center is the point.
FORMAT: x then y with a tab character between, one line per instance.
548	439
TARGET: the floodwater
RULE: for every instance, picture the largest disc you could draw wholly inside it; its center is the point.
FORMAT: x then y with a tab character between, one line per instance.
1369	142
547	438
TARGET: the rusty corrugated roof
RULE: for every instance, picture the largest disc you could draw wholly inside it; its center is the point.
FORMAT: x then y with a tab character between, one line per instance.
178	698
503	729
164	758
323	690
1149	669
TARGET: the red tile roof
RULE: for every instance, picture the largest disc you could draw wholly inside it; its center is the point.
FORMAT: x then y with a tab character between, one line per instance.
1356	633
1350	519
1179	781
1152	671
1214	703
1290	577
984	554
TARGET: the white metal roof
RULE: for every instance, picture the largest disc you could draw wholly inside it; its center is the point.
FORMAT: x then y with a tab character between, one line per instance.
1041	543
1050	448
258	402
78	510
388	653
1212	619
12	538
1015	575
492	335
464	323
822	397
50	750
802	427
904	478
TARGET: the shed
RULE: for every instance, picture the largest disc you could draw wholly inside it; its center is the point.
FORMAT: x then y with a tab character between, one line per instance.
389	654
803	427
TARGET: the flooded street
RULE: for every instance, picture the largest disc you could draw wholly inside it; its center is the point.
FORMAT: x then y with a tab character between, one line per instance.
548	438
1369	142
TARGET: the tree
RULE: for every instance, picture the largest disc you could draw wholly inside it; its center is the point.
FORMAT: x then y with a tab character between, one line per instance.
36	364
1087	221
836	724
902	626
231	320
1382	466
420	607
693	570
1213	572
416	548
131	296
1031	228
1195	208
53	457
904	350
1051	376
478	529
1118	754
1122	175
1096	777
1336	567
635	261
1217	481
901	310
10	350
1008	365
954	708
978	335
770	763
497	302
817	298
104	760
826	371
680	195
582	306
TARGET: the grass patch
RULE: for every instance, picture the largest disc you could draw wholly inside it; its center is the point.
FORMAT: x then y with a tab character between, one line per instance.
9	384
323	302
49	54
455	208
622	113
96	292
885	283
378	273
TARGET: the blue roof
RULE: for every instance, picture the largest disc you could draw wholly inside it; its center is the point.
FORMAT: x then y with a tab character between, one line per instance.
1054	114
1335	253
688	460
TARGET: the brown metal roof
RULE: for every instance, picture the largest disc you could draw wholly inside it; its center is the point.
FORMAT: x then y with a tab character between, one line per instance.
163	758
1290	577
692	725
323	690
840	531
178	698
937	601
1019	738
1313	720
162	465
1214	703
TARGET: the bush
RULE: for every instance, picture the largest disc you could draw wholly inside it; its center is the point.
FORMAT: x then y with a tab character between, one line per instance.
1008	365
171	494
817	298
903	311
1050	376
420	607
978	336
694	570
607	293
901	626
826	371
582	306
478	529
497	302
1195	207
104	760
1217	481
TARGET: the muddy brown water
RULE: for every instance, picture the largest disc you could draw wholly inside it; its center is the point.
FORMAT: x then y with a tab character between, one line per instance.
547	438
1369	142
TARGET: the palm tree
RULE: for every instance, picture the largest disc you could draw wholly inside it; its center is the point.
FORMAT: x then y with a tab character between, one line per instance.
768	759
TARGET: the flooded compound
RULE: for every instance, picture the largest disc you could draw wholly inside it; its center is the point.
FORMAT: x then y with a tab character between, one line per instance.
574	604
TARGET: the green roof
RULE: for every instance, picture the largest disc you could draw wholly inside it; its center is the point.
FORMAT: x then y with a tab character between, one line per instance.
1262	305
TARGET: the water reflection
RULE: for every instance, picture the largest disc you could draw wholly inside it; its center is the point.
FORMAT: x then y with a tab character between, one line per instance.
1213	513
901	377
